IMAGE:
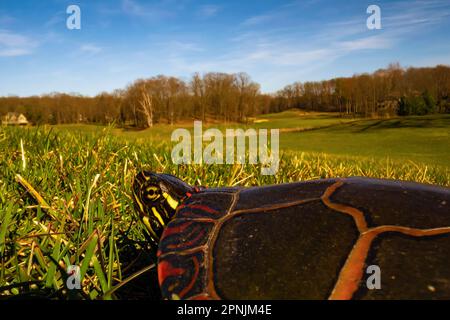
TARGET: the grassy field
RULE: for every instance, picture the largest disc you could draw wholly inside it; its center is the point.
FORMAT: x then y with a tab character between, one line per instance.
423	140
65	190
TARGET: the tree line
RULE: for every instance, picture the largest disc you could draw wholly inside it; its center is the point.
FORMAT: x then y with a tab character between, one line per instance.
237	98
386	92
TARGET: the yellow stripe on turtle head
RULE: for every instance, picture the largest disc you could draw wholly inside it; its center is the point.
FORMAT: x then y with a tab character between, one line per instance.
149	227
158	216
146	177
171	201
141	206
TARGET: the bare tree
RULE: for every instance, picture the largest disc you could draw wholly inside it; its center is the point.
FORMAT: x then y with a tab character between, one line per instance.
146	103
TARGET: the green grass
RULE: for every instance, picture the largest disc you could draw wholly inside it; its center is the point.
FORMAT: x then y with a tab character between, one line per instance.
423	140
295	119
287	121
81	210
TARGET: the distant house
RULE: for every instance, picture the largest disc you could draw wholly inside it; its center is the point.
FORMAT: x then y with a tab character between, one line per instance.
14	118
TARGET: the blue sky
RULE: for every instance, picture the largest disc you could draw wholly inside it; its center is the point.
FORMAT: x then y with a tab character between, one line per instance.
276	42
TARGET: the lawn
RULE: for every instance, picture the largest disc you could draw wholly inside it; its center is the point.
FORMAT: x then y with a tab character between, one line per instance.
65	191
422	140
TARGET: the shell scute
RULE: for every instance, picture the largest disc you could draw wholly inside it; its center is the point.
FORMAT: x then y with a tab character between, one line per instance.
181	278
213	205
181	235
386	202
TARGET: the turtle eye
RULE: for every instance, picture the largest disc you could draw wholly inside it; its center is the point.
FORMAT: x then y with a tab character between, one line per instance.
152	193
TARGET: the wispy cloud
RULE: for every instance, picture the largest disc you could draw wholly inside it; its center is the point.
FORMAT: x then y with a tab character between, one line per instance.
366	43
208	11
90	48
6	19
284	11
256	20
301	3
416	13
57	19
14	44
133	8
137	9
182	46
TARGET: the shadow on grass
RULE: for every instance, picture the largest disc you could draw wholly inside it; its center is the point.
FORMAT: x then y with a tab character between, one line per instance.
131	129
424	122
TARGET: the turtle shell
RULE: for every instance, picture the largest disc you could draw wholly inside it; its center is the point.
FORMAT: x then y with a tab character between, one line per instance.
309	240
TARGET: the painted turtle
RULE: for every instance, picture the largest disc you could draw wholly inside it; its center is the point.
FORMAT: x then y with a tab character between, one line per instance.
305	240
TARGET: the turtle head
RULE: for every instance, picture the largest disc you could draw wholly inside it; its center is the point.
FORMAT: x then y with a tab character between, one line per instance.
156	197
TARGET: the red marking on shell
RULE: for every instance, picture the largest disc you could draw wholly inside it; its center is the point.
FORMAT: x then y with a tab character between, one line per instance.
194	278
189	243
177	229
165	269
202	207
